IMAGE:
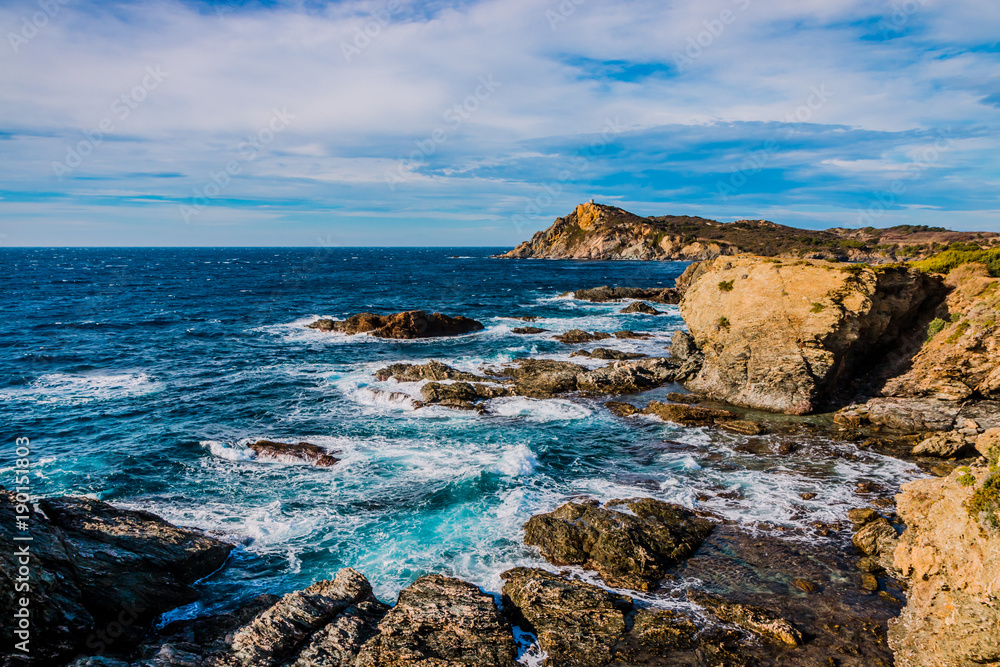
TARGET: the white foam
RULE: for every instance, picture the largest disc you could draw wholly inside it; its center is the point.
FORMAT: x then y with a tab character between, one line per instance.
228	452
537	410
518	461
84	387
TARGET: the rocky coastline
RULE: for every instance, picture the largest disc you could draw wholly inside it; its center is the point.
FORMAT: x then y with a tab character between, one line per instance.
888	356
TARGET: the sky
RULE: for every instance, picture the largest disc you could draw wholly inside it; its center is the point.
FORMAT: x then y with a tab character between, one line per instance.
478	122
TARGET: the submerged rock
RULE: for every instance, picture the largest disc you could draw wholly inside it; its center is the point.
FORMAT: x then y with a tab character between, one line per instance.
688	415
441	621
578	336
410	324
756	619
302	451
100	575
605	293
626	550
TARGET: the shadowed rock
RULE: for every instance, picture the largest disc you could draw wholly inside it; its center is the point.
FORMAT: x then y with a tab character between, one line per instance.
432	370
527	331
688	415
641	308
756	619
604	294
579	336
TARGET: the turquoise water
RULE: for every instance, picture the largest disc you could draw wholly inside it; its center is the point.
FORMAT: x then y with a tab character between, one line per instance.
138	373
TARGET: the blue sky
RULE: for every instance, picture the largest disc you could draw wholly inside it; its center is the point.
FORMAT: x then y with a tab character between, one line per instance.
477	122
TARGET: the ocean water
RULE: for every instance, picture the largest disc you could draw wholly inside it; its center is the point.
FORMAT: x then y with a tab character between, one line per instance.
139	373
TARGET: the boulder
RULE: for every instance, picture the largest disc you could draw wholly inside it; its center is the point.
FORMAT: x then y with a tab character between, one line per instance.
576	623
785	336
912	415
607	353
621	409
432	370
952	563
462	395
441	621
640	307
525	331
627	550
579	336
627	376
100	575
877	539
407	325
625	334
305	452
944	445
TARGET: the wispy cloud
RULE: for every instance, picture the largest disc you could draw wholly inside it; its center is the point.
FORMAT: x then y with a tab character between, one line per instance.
898	79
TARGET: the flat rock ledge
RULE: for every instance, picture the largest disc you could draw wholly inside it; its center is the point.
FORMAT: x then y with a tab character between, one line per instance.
407	325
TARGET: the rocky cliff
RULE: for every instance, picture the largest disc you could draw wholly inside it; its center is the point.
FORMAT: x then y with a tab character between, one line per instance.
784	336
597	231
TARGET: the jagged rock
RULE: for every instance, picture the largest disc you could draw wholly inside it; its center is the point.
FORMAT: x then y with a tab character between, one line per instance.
682	347
306	452
272	636
432	370
640	307
988	443
528	330
877	539
783	337
605	293
944	445
953	566
912	414
621	409
963	357
578	336
606	353
463	395
441	621
338	644
626	550
99	575
576	623
756	619
627	376
688	415
542	378
860	516
410	324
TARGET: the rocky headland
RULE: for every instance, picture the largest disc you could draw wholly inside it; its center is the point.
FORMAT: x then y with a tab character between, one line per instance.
598	231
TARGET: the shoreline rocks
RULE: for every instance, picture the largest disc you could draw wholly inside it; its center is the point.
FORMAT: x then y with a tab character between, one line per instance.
407	325
306	452
604	294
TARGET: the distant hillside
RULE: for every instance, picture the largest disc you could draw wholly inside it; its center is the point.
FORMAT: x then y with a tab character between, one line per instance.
596	231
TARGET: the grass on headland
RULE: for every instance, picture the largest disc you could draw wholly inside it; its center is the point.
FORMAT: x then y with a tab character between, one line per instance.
961	253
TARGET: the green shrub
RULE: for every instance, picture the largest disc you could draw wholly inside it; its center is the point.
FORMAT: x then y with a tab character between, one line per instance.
854	269
959	331
953	256
935	327
724	323
985	502
965	477
726	286
817	308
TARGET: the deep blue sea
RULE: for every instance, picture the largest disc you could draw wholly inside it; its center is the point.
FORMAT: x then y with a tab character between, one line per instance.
137	374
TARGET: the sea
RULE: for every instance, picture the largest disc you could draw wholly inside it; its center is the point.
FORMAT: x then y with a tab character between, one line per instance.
138	375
